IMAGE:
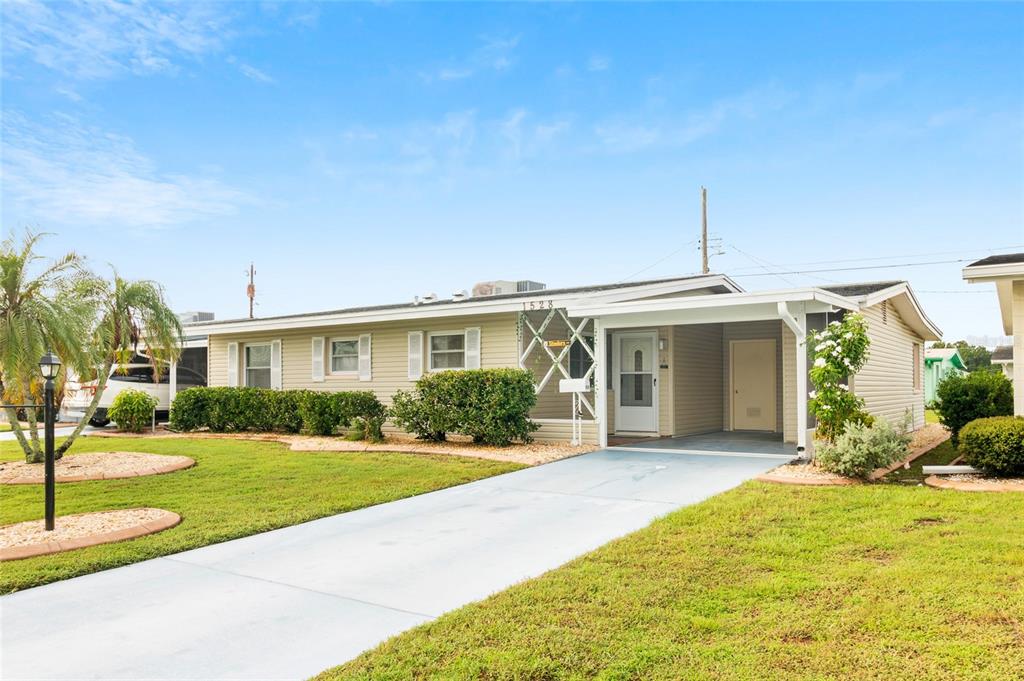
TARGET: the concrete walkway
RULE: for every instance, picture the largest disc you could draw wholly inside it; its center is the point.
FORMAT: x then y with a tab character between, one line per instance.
289	603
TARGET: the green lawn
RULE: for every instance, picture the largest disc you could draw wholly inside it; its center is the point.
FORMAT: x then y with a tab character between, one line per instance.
762	582
931	416
237	488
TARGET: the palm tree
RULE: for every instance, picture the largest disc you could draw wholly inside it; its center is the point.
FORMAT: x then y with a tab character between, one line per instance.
132	314
51	311
91	324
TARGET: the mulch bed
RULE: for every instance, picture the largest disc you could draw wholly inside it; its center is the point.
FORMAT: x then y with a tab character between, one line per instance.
29	538
94	466
975	483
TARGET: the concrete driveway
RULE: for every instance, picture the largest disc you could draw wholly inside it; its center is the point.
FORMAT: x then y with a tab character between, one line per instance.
289	603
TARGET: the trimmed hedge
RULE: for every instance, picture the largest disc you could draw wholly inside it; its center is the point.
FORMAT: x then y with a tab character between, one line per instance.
962	398
283	411
490	405
995	445
132	410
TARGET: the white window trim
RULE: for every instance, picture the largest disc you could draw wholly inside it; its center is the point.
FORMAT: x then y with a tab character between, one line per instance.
245	360
430	351
330	357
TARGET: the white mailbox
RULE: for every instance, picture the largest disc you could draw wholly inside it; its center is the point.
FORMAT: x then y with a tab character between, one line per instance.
573	385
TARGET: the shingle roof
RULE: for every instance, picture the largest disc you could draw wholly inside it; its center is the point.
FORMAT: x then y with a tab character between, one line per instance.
1003	352
501	296
861	289
1004	259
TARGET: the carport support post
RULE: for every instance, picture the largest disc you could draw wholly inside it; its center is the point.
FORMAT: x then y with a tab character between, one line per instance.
172	383
600	389
797	323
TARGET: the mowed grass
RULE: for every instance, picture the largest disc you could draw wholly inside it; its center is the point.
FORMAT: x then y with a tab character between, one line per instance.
762	582
236	488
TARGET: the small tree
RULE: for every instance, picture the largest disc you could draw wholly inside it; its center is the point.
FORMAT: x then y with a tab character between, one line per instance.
840	350
962	398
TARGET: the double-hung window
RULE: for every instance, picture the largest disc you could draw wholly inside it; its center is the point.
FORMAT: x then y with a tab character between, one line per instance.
447	350
257	365
344	355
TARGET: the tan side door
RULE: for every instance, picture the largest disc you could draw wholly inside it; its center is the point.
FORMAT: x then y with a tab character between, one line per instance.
752	379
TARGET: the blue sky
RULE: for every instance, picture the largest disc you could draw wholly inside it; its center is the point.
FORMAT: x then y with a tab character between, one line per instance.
364	153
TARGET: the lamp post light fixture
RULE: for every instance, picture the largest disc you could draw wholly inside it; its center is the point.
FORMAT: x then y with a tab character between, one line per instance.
49	365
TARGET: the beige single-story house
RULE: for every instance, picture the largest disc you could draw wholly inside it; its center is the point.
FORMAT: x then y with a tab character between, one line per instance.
669	357
1007	273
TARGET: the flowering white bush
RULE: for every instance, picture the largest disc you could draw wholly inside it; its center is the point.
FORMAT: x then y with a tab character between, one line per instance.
840	350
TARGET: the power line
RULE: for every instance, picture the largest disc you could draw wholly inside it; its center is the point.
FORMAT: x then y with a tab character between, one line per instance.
905	255
850	269
659	261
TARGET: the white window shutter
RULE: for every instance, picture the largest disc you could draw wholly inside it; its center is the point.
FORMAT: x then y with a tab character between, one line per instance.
318	359
415	355
473	348
275	365
365	363
232	365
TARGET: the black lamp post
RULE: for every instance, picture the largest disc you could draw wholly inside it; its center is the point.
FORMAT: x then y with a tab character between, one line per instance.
49	365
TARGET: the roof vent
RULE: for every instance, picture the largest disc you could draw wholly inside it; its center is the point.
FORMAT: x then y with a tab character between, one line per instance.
429	298
460	295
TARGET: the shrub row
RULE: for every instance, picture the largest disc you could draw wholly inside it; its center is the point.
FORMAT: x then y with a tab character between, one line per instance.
490	405
995	445
282	411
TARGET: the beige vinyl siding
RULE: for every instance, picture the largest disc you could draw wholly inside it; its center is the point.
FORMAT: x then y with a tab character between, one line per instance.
389	356
550	402
768	329
560	430
697	360
886	382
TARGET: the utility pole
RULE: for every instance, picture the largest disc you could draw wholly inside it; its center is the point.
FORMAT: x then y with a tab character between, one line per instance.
250	290
703	230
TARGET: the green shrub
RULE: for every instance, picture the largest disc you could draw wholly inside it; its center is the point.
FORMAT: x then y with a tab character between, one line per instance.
962	398
132	410
320	411
863	448
363	413
283	411
490	405
994	445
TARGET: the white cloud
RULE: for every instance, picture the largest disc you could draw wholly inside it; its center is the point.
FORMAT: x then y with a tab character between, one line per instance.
637	132
68	173
105	38
253	73
598	63
493	54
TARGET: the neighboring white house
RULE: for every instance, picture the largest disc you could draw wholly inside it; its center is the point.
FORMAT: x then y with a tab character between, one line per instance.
670	357
1007	273
1002	357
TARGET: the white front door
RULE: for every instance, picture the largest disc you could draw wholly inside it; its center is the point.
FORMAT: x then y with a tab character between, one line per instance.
752	372
635	366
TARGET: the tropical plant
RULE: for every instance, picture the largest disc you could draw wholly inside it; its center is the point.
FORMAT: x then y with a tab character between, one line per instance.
51	309
90	323
840	350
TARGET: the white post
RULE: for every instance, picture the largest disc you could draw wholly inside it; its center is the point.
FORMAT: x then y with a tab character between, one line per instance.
801	384
600	389
172	383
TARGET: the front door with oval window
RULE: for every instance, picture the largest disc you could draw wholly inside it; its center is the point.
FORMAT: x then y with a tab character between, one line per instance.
635	367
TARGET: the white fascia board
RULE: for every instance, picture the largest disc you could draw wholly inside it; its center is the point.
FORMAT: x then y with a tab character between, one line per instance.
826	299
925	326
1011	270
444	309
